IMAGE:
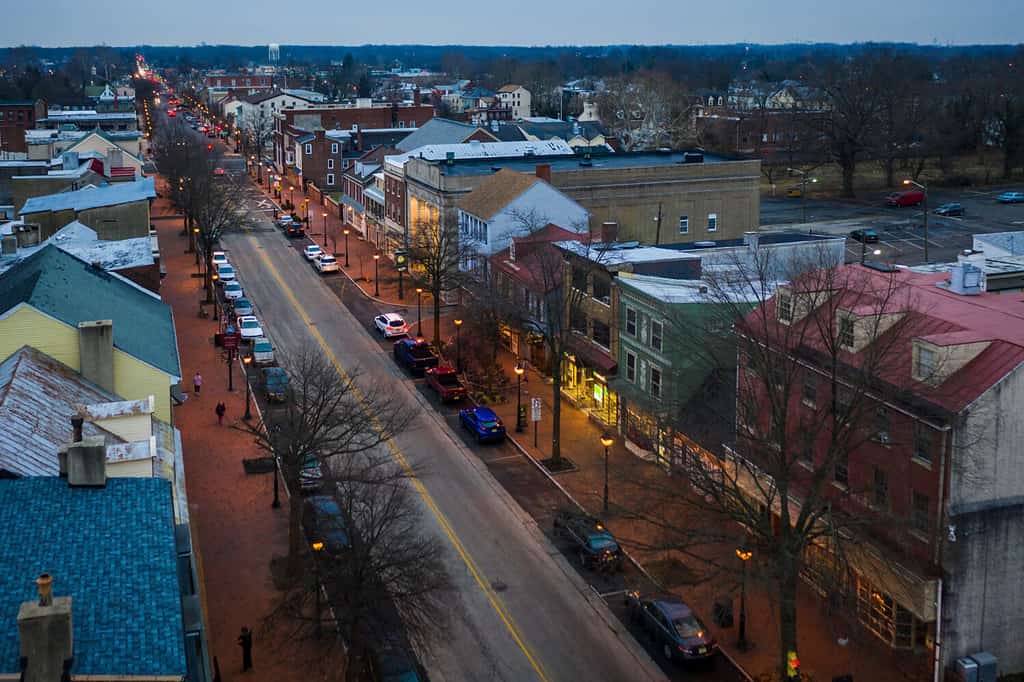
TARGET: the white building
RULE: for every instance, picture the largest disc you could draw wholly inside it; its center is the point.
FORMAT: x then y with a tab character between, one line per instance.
517	98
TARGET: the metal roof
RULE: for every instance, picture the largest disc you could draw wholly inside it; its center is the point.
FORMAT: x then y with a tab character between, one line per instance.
93	197
437	131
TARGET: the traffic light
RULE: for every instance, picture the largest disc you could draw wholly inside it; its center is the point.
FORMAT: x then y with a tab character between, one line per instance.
792	665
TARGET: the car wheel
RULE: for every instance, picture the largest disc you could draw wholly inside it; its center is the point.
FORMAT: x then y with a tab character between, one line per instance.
666	650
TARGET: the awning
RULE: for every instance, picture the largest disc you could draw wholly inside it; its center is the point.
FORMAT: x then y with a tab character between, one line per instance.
591	356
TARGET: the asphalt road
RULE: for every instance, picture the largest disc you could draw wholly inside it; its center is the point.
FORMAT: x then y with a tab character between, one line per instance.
520	611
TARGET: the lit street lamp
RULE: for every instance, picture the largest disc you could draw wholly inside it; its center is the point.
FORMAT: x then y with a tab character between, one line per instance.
345	232
376	274
246	361
325	230
519	396
458	346
195	246
419	311
803	189
606	441
924	212
213	294
318	547
863	250
744	555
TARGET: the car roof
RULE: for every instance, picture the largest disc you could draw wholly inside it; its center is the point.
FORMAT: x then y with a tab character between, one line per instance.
484	412
673	606
392	316
247	318
313	246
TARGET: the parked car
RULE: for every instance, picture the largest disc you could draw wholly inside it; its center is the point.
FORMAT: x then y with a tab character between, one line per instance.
285	220
219	172
275	384
322	519
390	324
262	351
910	197
219	258
249	327
673	625
865	236
445	380
233	290
1010	198
415	356
596	545
311	477
325	264
312	252
295	230
392	661
482	423
243	306
950	209
225	273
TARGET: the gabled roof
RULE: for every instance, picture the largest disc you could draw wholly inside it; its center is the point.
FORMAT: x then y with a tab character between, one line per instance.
72	291
112	550
511	87
496	192
437	131
84	199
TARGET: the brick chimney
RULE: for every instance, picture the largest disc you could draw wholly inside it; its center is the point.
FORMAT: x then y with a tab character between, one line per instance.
416	97
44	634
359	137
96	349
609	232
87	462
543	171
76	428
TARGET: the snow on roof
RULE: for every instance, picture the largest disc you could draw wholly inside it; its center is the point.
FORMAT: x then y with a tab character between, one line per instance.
621	253
482	150
83	199
86	114
82	241
112	410
670	290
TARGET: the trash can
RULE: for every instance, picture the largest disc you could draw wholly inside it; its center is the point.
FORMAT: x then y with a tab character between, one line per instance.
722	612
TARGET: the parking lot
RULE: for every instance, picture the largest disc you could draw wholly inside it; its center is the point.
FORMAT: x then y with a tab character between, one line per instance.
900	230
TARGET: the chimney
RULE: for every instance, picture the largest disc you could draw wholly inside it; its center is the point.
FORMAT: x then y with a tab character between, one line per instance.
359	137
96	350
609	232
9	245
87	462
416	97
76	429
751	240
44	634
543	172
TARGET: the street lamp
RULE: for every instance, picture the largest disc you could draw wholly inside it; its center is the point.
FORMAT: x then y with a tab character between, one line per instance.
924	212
345	231
419	311
606	441
291	195
318	547
246	361
744	555
803	189
325	230
213	294
195	246
458	346
376	274
519	396
863	250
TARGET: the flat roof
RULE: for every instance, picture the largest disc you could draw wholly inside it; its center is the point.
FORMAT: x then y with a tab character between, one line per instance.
93	197
573	162
763	239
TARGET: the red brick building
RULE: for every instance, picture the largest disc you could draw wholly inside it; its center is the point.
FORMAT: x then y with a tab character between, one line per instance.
242	81
15	118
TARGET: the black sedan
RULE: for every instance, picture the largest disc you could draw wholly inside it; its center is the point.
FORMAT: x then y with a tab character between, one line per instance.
950	210
673	625
864	236
295	231
597	547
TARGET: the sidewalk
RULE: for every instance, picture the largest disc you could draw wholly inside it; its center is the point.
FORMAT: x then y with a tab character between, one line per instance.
234	530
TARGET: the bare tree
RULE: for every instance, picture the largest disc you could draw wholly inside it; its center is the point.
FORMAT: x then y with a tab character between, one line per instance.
325	418
645	111
258	130
441	260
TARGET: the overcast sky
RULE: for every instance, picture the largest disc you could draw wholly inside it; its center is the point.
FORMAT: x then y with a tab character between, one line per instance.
522	22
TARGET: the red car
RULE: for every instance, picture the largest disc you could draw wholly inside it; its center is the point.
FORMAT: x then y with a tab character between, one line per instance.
910	197
445	380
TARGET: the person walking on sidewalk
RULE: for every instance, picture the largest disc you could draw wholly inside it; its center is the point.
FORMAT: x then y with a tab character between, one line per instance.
245	641
220	410
197	383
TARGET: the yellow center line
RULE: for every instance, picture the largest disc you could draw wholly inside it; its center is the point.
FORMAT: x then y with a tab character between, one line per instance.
428	499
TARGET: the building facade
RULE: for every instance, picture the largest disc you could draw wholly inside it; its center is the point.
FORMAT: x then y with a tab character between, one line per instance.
15	118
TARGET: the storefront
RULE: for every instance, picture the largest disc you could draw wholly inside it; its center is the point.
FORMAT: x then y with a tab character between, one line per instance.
585	374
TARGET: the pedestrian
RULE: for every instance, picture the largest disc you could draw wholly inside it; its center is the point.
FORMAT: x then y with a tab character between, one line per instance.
220	410
197	383
245	641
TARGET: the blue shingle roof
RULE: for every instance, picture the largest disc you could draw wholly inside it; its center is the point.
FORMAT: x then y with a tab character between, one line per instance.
112	550
93	197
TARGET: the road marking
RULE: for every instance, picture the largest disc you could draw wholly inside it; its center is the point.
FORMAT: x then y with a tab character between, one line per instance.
425	495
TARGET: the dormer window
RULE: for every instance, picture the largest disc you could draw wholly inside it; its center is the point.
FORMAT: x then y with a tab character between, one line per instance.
927	363
784	306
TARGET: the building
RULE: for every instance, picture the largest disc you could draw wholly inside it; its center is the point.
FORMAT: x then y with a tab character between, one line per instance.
216	80
44	145
110	330
88	119
934	482
444	131
323	156
117	211
517	99
248	109
581	135
363	214
16	117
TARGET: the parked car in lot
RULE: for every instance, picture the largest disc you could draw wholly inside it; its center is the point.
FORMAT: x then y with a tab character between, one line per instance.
275	384
243	306
482	423
390	324
597	548
262	351
673	625
415	355
865	236
312	252
445	380
1011	198
219	258
325	264
225	273
322	519
249	327
295	230
953	209
233	290
910	197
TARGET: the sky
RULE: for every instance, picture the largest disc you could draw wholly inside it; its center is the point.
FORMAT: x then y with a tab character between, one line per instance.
497	22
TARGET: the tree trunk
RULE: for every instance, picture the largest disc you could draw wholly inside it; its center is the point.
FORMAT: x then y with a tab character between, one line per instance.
556	406
849	168
437	316
294	527
787	586
890	171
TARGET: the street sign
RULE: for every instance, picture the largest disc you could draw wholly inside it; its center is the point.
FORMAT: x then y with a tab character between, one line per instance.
231	341
401	260
535	409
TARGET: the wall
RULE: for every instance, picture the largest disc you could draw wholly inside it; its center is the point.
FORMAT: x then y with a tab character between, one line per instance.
550	205
25	188
129	427
118	222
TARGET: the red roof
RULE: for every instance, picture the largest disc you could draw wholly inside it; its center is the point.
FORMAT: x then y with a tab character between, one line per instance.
538	263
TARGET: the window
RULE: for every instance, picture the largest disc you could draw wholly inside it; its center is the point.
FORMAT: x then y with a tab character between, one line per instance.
920	512
806	453
334	147
330	179
926	362
809	395
602	289
602	334
630	367
712	222
578	321
684	224
880	495
784	307
630	321
657	329
846	332
579	279
841	469
401	124
330	164
655	382
882	424
345	164
923	442
309	149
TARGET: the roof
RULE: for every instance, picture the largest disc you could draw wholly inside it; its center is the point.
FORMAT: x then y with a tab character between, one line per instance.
511	87
571	161
763	239
72	291
565	130
496	192
538	263
81	240
621	253
1010	242
112	550
94	197
437	131
485	151
668	290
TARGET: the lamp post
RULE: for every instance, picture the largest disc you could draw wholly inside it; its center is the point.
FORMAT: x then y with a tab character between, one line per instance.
458	346
803	189
419	311
376	274
318	547
246	361
924	212
744	555
325	230
863	250
291	195
519	396
195	246
606	441
213	294
345	232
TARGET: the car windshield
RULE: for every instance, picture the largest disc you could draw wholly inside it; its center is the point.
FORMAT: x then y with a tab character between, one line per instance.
327	259
313	249
488	423
447	380
250	324
261	346
601	542
688	627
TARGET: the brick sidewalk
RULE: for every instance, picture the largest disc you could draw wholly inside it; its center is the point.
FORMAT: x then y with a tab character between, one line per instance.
235	531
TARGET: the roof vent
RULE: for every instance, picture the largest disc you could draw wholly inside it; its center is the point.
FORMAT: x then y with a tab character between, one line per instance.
966	280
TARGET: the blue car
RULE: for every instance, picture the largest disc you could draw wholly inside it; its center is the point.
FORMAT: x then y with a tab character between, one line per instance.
482	423
1011	198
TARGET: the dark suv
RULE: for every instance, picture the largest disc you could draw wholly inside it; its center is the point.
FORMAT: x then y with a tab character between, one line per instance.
673	625
596	545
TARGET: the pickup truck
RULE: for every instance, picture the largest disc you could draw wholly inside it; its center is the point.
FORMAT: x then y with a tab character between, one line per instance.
275	384
445	380
415	356
262	351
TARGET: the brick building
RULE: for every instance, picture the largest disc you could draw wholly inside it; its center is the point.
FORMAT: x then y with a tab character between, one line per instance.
321	157
15	118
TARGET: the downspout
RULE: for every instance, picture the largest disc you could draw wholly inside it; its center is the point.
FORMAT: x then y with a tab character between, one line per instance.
938	632
947	453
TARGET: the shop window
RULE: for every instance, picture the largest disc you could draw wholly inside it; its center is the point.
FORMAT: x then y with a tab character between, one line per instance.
657	330
630	321
602	334
630	367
